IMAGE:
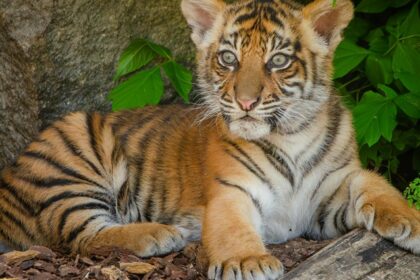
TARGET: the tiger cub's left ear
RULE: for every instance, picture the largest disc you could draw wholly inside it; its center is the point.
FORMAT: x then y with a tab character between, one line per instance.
328	20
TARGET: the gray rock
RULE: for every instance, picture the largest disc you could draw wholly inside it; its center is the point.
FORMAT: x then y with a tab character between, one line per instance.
60	57
18	100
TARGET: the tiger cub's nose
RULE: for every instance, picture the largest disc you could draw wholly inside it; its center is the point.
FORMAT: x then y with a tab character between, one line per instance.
248	104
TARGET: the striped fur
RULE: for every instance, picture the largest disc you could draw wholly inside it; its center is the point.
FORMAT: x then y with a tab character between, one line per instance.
271	155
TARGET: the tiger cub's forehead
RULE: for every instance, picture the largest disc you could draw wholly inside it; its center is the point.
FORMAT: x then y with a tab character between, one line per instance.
261	26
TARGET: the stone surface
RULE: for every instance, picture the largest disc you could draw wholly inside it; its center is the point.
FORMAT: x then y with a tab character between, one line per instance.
18	99
59	56
359	255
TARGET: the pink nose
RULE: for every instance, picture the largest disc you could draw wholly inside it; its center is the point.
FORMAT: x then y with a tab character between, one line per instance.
247	105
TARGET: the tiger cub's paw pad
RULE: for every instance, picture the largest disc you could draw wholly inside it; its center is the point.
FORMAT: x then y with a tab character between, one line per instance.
163	241
250	268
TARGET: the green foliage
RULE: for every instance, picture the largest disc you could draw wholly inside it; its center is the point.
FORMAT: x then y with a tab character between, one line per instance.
412	193
377	71
140	71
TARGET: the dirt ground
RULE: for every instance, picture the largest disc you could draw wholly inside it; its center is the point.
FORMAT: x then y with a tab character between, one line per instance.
40	263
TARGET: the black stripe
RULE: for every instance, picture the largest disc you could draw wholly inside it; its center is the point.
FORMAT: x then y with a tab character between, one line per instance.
242	152
21	225
105	198
277	161
339	218
66	170
5	237
140	161
12	190
272	16
123	197
75	150
323	214
138	125
327	174
80	207
48	182
157	181
329	138
241	19
254	201
247	166
91	134
78	230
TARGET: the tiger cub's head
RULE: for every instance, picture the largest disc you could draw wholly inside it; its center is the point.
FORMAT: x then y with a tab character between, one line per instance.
265	65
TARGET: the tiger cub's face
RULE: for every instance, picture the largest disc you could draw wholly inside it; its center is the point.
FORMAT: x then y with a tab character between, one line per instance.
265	65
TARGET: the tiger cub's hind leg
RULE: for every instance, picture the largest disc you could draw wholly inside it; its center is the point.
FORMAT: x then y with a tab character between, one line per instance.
144	239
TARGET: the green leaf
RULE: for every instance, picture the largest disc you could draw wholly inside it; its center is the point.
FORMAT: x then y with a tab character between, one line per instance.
373	6
160	50
143	88
406	66
357	28
411	24
374	116
399	3
389	92
347	57
410	104
180	77
378	43
379	69
135	56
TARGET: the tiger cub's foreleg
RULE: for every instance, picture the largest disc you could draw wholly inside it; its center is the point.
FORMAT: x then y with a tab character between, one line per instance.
367	200
231	240
144	239
380	207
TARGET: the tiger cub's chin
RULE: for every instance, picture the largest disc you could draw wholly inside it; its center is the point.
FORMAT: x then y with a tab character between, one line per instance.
249	130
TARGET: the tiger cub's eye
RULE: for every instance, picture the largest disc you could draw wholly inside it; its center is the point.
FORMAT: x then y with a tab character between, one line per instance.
228	58
278	61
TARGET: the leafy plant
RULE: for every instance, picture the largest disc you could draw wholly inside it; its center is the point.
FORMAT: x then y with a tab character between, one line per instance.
140	71
412	193
377	71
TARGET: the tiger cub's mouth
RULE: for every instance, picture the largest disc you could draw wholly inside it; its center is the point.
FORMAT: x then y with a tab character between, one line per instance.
249	128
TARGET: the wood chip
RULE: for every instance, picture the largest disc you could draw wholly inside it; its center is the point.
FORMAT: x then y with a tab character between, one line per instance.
44	252
67	270
137	267
113	273
17	257
46	266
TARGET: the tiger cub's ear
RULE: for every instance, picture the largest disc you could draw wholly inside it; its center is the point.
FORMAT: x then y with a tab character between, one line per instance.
201	15
328	20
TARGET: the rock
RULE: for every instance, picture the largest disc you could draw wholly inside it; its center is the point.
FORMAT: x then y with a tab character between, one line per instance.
18	99
137	267
73	46
17	257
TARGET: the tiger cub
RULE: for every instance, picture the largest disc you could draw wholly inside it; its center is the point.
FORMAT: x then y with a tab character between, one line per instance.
269	156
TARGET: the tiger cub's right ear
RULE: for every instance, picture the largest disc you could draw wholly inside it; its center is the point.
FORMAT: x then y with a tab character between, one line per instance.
201	15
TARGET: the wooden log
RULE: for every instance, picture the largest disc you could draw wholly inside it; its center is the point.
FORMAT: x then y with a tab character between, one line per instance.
359	255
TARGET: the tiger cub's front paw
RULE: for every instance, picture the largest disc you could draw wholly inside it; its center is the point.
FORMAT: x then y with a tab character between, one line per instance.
401	225
249	268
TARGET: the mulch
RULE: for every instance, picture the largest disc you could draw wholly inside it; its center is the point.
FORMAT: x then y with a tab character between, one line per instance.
41	263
